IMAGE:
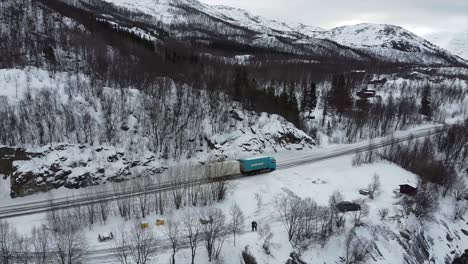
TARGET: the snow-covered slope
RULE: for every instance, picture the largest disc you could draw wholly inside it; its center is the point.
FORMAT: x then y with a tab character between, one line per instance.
381	42
259	23
84	157
386	40
372	35
455	42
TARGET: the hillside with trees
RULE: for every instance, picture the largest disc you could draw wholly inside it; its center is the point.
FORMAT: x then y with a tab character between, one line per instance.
128	107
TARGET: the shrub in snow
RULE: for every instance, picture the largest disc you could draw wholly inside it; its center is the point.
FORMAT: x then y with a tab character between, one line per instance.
424	203
265	236
383	213
364	211
247	257
305	221
258	198
374	186
295	258
357	249
461	207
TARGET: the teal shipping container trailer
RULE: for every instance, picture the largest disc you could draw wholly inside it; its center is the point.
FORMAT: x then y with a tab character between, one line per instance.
257	165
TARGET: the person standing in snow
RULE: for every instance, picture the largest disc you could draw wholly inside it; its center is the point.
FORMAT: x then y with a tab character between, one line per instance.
254	226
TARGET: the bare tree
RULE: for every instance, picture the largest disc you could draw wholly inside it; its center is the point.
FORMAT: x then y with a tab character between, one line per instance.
67	239
192	229
123	204
143	197
218	190
308	227
40	243
289	207
335	216
23	244
160	198
104	208
213	230
122	247
265	236
177	176
237	220
172	231
459	189
364	211
374	186
7	242
425	201
357	249
110	108
215	170
193	189
91	208
142	244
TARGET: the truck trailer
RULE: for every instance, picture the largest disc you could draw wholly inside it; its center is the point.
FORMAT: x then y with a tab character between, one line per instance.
223	168
255	165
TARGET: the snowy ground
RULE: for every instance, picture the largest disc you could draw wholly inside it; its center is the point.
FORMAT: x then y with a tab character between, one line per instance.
255	194
318	181
284	155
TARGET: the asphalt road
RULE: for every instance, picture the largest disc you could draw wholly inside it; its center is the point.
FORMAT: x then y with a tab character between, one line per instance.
42	206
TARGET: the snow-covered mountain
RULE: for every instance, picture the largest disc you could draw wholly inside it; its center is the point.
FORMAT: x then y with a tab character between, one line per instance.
193	19
455	42
261	24
375	35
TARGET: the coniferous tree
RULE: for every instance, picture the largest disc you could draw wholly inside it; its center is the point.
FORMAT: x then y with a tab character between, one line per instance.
292	107
240	83
329	129
305	98
309	98
340	95
426	102
312	100
284	98
325	108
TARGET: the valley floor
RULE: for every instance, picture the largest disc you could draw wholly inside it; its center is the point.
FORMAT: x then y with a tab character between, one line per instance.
318	181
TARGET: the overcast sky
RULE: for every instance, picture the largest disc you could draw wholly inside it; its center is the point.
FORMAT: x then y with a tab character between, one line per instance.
419	16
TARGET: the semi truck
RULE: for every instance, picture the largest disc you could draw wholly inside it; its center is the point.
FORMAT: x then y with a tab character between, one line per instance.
247	166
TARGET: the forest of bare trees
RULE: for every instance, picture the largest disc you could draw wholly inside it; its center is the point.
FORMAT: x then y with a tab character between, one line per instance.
61	239
97	54
439	161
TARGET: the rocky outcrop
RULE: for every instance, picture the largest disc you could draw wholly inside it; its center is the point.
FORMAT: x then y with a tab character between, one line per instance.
8	155
73	166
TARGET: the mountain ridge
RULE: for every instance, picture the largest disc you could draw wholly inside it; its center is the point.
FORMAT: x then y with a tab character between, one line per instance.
455	42
382	42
